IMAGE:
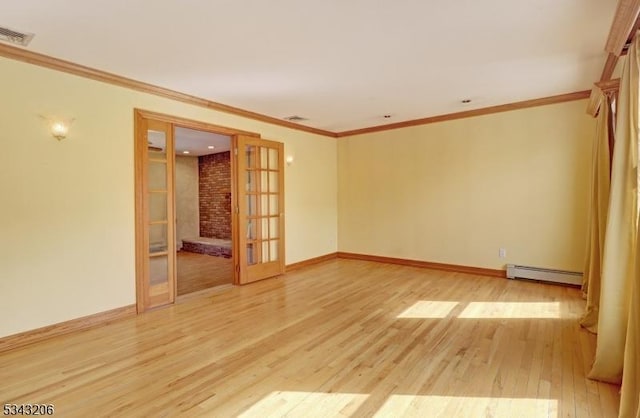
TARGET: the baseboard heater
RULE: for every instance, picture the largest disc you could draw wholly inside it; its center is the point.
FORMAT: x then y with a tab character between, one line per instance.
546	275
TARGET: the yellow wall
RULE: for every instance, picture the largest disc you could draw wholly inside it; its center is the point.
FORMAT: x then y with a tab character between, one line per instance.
452	192
455	192
67	208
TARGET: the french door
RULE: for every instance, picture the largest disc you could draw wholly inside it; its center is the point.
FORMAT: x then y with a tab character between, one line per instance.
155	220
260	210
257	200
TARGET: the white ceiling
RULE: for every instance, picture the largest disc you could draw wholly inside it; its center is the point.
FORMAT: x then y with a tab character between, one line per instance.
196	143
342	64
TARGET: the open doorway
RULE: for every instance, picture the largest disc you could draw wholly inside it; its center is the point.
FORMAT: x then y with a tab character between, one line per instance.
203	210
253	195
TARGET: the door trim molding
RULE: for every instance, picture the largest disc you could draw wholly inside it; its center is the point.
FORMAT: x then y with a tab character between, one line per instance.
192	124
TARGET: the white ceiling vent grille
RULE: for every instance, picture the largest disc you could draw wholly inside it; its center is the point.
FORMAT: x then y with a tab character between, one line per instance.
15	37
295	118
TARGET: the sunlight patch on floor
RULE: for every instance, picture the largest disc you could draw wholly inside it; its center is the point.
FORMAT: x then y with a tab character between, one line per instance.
466	406
306	404
511	310
428	309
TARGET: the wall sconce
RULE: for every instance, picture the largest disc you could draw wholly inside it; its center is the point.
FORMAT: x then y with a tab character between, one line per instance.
289	159
59	128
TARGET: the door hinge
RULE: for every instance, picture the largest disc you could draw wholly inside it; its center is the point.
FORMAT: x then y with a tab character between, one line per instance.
237	209
235	151
237	268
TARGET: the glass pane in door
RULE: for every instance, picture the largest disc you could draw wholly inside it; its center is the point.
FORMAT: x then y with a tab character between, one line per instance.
273	250
251	230
252	205
158	206
273	159
156	145
251	256
157	238
274	224
158	270
265	251
251	181
273	204
273	182
264	228
157	175
250	154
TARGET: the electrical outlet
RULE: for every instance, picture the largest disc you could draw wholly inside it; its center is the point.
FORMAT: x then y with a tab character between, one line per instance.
502	252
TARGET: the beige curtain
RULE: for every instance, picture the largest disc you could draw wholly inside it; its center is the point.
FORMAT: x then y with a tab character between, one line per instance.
630	391
619	249
618	322
598	218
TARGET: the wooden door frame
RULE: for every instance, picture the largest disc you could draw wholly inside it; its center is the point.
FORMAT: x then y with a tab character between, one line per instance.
139	152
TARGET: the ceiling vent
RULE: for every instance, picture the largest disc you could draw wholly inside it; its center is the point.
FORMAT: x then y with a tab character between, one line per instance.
15	37
295	118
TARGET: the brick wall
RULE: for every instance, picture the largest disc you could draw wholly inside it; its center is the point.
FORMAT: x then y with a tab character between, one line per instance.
215	195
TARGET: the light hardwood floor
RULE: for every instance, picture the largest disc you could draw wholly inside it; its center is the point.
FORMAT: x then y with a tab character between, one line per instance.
342	338
200	271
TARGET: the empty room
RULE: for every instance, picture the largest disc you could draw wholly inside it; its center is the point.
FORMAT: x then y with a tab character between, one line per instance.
320	209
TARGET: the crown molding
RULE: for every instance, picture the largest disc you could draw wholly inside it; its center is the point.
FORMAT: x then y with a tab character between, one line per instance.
20	54
578	95
42	60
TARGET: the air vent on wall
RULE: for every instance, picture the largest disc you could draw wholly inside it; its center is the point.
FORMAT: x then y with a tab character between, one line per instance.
15	37
295	118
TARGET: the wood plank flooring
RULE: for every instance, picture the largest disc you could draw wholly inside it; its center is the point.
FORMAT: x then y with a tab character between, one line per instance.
200	271
342	338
